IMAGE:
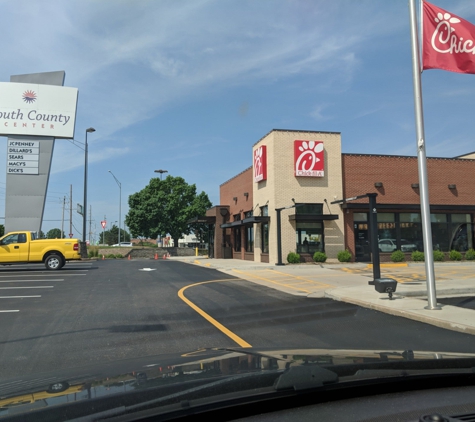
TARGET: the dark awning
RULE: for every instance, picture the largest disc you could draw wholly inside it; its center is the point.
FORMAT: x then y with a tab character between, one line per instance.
312	217
256	219
232	224
248	220
202	219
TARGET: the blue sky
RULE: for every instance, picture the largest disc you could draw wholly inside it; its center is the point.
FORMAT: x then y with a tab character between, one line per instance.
190	86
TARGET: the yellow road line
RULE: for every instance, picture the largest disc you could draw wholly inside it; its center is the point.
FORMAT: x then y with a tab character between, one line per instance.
268	280
303	278
209	318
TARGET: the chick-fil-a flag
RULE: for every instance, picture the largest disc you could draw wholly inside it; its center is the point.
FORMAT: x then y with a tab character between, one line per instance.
448	41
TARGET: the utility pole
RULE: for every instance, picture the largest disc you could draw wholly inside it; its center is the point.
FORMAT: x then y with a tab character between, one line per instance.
70	209
104	231
62	217
90	222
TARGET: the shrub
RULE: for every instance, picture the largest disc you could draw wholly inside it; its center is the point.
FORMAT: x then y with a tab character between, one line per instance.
438	256
397	256
90	254
119	256
344	256
111	256
293	258
455	255
417	256
470	255
319	257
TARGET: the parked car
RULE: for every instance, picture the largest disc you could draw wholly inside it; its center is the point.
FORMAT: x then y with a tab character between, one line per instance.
123	244
389	245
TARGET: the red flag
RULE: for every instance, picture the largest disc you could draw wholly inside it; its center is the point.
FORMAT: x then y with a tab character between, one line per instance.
448	41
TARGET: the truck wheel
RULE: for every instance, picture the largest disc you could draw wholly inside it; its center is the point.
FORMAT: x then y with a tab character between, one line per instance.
54	262
58	387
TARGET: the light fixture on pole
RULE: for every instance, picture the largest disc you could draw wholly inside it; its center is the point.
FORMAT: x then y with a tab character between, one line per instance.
161	172
84	213
120	198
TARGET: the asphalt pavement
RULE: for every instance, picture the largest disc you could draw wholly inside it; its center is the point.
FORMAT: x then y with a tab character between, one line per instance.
348	282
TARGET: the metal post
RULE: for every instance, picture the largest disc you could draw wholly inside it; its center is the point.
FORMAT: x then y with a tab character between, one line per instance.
84	211
70	209
373	232
62	217
120	198
422	162
279	237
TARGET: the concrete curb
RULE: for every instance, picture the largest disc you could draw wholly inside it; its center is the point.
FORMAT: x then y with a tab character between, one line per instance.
416	315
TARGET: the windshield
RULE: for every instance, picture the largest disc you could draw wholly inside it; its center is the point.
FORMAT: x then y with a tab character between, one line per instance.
225	190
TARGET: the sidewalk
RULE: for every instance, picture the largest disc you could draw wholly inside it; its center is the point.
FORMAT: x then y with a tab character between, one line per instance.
349	283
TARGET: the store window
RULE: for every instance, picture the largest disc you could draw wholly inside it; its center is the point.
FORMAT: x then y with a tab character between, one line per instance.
386	226
309	209
237	239
265	231
403	231
249	239
265	237
362	248
440	232
461	231
411	231
309	237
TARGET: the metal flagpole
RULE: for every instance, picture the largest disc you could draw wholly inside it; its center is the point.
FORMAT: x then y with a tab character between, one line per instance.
422	161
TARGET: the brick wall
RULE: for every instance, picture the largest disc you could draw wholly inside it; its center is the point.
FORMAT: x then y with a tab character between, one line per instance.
397	174
236	188
282	185
360	172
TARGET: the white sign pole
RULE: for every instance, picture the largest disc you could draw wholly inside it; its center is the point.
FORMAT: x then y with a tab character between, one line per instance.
422	162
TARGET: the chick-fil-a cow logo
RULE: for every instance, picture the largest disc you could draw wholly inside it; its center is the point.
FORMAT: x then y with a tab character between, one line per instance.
260	164
309	158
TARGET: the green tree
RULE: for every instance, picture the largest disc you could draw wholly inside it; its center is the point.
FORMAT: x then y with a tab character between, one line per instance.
111	236
164	207
54	234
2	229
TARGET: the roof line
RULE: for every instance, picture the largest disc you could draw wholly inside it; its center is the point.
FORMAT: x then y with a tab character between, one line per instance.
404	156
290	130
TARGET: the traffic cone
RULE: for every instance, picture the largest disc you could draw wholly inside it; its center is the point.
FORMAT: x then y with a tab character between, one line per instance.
129	257
156	255
165	256
103	257
168	255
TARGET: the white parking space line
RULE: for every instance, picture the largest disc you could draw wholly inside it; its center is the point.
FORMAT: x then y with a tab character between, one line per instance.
30	287
12	310
38	275
21	385
17	297
29	281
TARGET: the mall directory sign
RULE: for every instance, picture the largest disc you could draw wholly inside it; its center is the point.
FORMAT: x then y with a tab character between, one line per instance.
37	110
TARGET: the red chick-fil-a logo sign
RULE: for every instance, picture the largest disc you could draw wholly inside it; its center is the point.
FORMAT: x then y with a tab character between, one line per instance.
260	164
309	158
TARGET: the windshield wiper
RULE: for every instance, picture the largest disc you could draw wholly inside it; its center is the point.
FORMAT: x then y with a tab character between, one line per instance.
305	377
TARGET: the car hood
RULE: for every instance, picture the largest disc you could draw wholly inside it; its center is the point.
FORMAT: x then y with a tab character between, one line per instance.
165	374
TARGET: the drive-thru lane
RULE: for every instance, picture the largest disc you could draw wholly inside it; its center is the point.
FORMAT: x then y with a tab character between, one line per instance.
128	309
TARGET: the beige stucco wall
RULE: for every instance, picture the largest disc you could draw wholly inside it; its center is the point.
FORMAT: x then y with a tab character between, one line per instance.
281	186
470	156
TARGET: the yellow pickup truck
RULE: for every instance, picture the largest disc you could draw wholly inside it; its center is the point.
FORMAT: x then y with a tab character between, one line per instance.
24	247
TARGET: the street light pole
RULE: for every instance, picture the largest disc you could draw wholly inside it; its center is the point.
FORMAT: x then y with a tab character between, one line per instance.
161	172
120	198
84	211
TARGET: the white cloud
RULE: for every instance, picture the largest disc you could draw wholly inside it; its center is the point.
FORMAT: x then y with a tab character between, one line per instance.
130	59
317	113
